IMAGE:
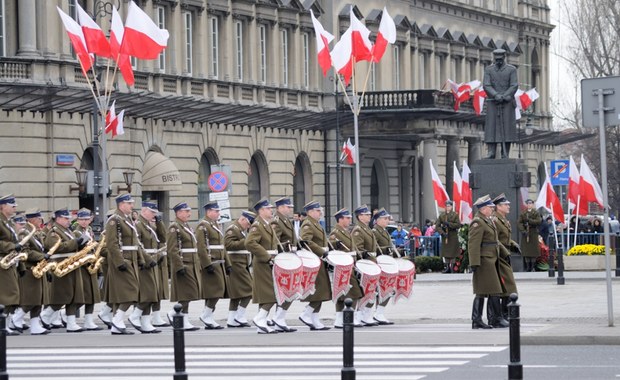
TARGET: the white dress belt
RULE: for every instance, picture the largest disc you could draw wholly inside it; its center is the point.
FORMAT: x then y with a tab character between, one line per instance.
189	250
272	252
151	250
216	246
242	252
129	248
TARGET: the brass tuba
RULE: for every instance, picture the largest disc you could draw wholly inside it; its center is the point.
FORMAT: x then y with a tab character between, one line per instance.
44	266
14	257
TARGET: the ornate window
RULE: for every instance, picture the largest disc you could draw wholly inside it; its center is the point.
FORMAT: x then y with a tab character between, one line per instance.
160	13
214	40
187	17
239	50
306	62
262	41
285	56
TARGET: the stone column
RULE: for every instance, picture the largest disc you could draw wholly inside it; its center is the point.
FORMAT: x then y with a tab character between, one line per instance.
452	156
473	150
406	186
27	21
428	198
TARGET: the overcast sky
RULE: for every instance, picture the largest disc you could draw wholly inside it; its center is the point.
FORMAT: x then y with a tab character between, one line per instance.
560	82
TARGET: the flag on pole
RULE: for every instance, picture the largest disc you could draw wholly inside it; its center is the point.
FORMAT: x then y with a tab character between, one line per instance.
527	98
457	185
342	58
142	39
589	188
386	34
96	41
467	213
441	196
361	46
573	190
113	122
117	31
323	38
348	152
462	91
479	96
76	36
548	199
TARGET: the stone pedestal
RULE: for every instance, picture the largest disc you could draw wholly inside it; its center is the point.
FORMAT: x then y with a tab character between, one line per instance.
506	176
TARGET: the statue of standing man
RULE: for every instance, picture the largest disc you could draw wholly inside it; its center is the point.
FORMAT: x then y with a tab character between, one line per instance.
500	83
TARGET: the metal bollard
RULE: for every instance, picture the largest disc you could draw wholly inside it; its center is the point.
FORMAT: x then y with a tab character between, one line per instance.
348	371
515	368
616	248
560	266
4	375
179	344
551	271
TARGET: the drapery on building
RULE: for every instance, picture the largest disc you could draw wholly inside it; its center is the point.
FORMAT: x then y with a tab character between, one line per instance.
239	85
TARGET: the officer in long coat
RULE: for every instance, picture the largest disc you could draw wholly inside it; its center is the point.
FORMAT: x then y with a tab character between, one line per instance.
483	250
365	244
528	224
340	237
214	262
240	278
313	235
105	313
448	225
9	280
151	238
500	83
507	245
385	247
262	243
184	263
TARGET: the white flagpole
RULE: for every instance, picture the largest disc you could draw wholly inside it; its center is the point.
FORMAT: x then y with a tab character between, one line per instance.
576	220
436	208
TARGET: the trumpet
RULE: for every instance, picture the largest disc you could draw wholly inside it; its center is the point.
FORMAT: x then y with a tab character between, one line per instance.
44	266
14	257
93	268
72	263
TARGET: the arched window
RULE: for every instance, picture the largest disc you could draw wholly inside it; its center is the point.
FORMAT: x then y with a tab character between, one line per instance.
258	179
534	75
302	182
208	158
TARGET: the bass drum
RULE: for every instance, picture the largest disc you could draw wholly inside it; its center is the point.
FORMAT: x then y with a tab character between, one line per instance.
368	274
311	266
339	266
388	278
287	275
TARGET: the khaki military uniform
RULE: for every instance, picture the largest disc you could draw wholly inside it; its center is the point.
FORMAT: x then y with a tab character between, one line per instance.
344	236
528	225
89	281
448	225
33	291
150	276
212	252
364	240
284	230
182	253
384	242
312	232
9	282
123	248
68	289
240	279
483	252
504	231
261	242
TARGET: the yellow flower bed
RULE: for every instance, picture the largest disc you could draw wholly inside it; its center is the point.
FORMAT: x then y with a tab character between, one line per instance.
587	250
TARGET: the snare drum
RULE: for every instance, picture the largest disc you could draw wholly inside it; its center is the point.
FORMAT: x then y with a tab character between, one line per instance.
340	266
404	284
389	276
368	274
287	275
311	266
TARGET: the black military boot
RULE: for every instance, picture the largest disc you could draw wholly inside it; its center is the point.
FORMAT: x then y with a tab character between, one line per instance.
491	147
476	314
497	320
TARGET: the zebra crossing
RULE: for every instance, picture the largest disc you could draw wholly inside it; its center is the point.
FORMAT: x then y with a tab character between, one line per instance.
272	362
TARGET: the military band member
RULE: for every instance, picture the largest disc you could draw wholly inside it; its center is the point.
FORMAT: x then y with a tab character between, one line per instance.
161	272
504	233
483	250
528	223
314	236
151	234
262	243
184	263
91	286
448	224
386	247
9	278
240	278
365	244
283	225
340	237
105	313
69	289
214	262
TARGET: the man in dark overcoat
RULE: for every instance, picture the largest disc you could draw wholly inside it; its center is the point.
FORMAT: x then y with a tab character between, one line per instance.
528	224
448	224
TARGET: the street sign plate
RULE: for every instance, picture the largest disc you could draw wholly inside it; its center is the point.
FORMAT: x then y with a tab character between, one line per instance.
224	216
224	204
559	172
218	182
221	196
589	100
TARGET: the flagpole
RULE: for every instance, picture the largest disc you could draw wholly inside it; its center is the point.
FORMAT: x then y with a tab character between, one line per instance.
358	182
366	83
436	209
576	219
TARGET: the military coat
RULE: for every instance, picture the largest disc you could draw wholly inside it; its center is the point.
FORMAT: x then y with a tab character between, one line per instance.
162	264
284	230
339	234
149	274
262	242
91	286
502	81
384	242
9	283
528	223
364	240
33	291
314	234
448	225
124	247
68	289
240	279
483	252
211	251
183	254
504	230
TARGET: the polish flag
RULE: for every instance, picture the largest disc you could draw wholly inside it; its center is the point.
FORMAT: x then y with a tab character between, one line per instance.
528	97
441	196
342	58
548	199
479	96
466	196
76	36
323	38
96	42
465	89
116	38
387	34
457	185
142	38
454	88
573	190
589	188
361	46
113	122
348	152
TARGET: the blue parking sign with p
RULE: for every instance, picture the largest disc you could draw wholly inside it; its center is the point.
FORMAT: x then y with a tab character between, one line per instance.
559	173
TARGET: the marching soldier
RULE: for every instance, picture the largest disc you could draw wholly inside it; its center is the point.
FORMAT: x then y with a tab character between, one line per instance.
125	259
262	243
9	280
499	307
483	255
340	237
314	236
69	289
91	286
161	272
385	247
105	313
365	244
529	221
151	233
214	262
448	225
184	263
240	278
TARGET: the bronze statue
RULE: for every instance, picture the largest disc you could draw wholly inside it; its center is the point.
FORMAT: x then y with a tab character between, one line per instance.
500	83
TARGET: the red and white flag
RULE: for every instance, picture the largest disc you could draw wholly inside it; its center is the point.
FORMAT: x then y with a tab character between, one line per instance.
113	122
323	38
548	199
573	190
466	196
386	34
76	36
527	98
441	196
361	45
117	31
342	58
96	41
143	39
462	91
589	189
348	152
479	96
457	185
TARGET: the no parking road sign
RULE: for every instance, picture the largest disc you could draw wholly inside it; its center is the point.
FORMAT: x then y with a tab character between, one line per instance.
218	181
559	173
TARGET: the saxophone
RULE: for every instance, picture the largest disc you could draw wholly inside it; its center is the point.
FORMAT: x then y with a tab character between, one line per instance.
14	257
93	268
72	263
44	266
